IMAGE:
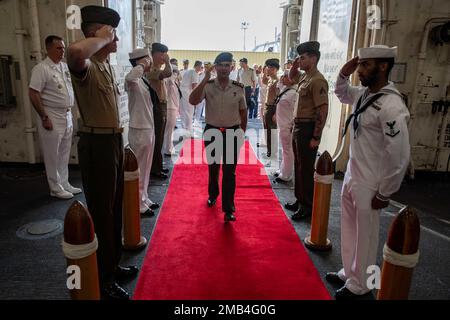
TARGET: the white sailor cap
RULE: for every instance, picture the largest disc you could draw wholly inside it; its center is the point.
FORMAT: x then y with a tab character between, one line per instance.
139	53
377	51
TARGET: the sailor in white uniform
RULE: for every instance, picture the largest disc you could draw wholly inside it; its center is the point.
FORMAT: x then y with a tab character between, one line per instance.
173	107
188	83
286	102
379	156
141	134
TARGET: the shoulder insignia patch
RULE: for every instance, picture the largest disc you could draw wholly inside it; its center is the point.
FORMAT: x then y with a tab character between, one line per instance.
323	91
392	132
238	84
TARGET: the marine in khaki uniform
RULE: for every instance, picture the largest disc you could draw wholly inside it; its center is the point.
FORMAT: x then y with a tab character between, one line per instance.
158	88
310	116
269	110
100	148
226	117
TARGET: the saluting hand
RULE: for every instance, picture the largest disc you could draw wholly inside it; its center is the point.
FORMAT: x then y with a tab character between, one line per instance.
350	66
107	32
146	61
208	69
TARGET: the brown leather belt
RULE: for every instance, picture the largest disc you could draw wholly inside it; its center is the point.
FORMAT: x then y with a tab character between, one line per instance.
93	130
301	120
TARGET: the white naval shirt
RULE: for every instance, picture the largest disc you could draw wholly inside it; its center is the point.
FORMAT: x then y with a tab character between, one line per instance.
380	151
54	84
139	101
189	78
285	107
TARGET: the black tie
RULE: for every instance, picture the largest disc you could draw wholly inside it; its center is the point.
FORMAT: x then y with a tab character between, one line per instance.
360	109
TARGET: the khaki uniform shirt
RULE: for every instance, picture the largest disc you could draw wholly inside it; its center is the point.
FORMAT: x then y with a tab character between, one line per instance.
247	77
158	85
271	91
97	95
312	92
223	106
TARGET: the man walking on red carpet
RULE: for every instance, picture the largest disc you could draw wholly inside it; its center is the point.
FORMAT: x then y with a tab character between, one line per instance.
226	122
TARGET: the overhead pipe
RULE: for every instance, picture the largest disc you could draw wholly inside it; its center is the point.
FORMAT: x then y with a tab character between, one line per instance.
36	48
29	129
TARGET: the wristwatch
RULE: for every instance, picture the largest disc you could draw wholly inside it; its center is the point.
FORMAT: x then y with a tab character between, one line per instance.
44	117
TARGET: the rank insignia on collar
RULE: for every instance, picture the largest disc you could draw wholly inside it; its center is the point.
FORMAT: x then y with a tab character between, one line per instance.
392	132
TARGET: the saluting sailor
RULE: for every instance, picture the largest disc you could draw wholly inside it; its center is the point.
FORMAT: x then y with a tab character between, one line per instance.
226	118
379	156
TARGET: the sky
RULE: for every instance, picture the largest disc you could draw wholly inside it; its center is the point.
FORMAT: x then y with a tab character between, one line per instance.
216	24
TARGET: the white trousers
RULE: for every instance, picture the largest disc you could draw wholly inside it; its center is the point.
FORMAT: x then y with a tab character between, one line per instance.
56	145
198	113
168	132
359	236
186	112
142	142
287	154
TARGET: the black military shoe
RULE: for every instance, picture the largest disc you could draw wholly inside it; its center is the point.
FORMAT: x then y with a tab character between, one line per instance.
148	213
160	175
301	214
332	277
211	202
345	294
292	206
229	216
279	180
268	154
155	206
165	170
115	292
126	272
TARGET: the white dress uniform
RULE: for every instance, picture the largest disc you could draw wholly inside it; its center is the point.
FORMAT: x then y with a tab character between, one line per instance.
285	122
379	156
54	84
173	108
200	108
234	74
141	134
190	77
261	97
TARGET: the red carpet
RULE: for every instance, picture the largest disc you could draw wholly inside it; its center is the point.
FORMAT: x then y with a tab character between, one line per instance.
193	254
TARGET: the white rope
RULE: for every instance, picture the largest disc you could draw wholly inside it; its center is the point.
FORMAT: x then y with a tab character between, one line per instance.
328	179
131	175
79	251
402	260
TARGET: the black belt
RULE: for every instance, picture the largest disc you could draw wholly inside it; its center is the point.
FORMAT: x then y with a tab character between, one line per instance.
222	129
93	130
